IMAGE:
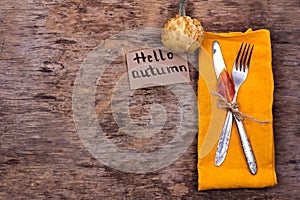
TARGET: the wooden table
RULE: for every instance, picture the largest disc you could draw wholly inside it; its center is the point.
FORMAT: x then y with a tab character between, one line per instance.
42	45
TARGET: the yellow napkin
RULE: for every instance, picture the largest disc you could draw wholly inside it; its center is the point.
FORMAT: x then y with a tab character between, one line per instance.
255	99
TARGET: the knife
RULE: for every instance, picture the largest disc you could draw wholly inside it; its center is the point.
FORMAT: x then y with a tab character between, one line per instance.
226	89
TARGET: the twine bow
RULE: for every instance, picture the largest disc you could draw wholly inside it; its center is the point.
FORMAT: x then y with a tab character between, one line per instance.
233	107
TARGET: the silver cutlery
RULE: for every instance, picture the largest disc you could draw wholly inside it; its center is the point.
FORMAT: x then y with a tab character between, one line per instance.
239	75
223	143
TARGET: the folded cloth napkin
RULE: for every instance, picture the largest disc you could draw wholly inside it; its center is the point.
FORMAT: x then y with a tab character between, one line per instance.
255	98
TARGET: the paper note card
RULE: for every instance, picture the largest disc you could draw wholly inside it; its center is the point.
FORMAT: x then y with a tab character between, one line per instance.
154	67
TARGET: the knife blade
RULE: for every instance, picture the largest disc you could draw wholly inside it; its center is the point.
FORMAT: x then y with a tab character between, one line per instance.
225	84
218	60
226	89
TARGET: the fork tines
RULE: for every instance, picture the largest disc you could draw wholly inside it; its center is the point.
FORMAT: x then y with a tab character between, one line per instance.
243	59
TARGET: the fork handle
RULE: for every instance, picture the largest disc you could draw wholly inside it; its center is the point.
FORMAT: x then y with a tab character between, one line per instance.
246	147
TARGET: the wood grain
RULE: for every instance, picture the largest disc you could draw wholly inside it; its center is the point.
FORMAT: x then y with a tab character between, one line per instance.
42	45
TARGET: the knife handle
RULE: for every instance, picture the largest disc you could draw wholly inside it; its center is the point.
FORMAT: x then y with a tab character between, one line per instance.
224	140
246	147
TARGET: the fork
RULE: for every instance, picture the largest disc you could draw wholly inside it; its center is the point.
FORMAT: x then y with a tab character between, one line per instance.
239	75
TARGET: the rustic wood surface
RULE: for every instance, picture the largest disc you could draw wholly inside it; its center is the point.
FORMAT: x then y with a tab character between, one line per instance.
42	45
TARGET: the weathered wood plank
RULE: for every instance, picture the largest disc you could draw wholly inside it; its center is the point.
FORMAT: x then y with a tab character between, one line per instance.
42	46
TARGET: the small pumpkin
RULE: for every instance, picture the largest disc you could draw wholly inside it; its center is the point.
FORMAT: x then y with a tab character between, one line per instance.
182	34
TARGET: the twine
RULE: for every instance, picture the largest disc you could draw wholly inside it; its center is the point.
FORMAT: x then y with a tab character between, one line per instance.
181	8
233	107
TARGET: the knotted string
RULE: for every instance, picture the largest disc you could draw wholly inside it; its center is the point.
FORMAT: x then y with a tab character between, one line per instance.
233	107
